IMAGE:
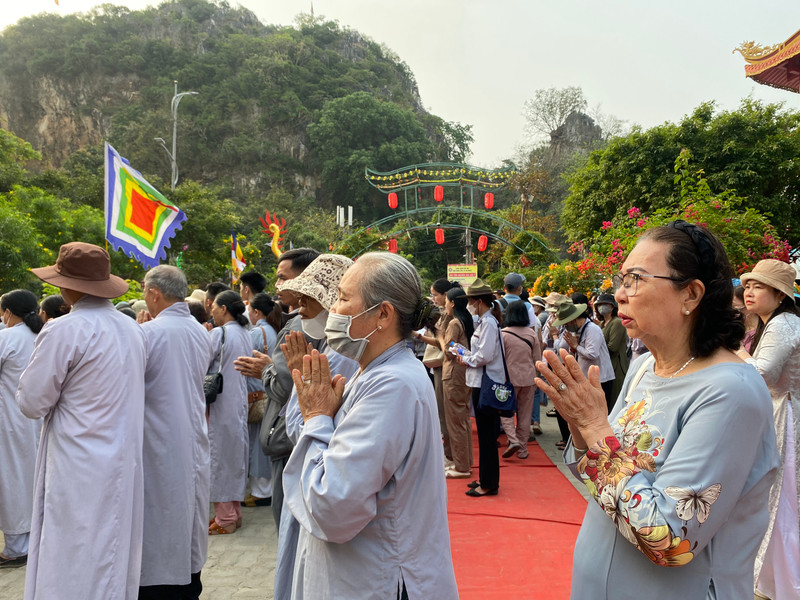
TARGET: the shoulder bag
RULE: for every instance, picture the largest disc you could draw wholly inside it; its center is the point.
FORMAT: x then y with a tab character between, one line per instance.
257	401
213	383
433	357
275	442
495	396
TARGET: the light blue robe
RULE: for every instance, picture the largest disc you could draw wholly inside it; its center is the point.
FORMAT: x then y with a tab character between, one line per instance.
369	492
289	527
175	453
227	417
260	464
86	378
691	488
19	435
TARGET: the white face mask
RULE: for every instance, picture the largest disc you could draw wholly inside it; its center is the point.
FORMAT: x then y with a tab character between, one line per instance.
472	310
604	309
315	327
337	330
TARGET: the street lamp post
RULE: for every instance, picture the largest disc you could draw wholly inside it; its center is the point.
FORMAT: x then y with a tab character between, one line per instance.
173	156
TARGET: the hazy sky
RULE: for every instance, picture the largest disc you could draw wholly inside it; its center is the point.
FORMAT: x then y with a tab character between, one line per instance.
477	61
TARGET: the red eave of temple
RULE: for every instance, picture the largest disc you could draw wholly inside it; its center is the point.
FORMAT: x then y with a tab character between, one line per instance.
780	68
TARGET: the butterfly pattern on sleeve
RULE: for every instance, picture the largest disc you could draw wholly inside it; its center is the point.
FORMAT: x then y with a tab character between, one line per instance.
690	503
609	465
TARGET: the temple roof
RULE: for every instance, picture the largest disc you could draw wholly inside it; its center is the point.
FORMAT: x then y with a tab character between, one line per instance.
777	66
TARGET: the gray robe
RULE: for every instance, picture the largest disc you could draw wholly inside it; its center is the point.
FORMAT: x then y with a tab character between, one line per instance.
86	377
227	417
19	436
368	490
175	454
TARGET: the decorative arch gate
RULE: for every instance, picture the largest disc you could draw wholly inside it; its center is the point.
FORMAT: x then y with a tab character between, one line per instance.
469	180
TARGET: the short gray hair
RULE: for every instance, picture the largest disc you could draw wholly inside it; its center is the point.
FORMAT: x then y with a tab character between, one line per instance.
391	278
169	280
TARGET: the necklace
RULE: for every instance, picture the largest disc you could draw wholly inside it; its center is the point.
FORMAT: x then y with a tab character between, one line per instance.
686	364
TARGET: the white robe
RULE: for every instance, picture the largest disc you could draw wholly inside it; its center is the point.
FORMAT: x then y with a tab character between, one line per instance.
86	377
19	436
227	417
175	452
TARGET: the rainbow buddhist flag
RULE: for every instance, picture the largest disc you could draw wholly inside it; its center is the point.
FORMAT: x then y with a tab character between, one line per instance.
139	220
237	259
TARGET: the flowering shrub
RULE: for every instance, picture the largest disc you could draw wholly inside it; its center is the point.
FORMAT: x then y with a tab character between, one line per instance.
746	234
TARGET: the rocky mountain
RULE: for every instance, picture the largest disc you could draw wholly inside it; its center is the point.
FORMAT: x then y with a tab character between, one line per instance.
69	83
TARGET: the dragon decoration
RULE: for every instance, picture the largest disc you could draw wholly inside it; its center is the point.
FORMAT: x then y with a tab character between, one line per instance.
752	51
276	227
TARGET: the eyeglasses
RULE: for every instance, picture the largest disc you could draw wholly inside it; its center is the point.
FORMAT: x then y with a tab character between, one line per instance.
630	281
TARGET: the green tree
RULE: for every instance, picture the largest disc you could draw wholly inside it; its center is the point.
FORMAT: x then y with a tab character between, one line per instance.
14	153
753	151
360	131
19	249
746	234
205	237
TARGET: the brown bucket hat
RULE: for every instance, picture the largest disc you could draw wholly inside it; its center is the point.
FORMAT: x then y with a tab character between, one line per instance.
84	268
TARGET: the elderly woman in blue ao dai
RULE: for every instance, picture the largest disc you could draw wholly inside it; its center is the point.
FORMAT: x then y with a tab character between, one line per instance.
681	469
370	454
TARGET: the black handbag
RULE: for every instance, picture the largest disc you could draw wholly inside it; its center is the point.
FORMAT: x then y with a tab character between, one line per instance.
275	442
496	396
212	385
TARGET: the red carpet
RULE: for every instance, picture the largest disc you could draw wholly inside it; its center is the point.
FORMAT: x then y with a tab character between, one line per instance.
519	543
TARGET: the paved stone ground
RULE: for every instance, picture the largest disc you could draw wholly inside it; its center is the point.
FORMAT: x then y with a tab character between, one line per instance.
242	565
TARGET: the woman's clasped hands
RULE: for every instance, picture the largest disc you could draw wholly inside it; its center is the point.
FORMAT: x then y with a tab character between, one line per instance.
317	393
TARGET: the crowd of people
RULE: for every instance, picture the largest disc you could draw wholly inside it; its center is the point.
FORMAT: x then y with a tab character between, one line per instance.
133	432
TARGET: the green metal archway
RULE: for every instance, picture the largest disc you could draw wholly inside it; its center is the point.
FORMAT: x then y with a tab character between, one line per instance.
532	240
409	180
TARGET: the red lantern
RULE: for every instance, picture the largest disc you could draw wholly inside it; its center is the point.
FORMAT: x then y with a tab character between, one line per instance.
438	193
488	200
393	200
440	236
483	241
393	246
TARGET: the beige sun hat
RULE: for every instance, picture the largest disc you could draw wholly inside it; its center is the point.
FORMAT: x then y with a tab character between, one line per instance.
196	296
320	280
553	299
84	268
774	273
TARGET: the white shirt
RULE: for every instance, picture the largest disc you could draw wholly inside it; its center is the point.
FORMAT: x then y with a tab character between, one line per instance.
486	349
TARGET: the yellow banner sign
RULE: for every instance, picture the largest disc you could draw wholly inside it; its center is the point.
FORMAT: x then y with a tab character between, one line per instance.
463	274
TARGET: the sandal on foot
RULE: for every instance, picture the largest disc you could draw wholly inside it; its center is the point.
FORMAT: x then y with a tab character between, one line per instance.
13	563
473	484
217	529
